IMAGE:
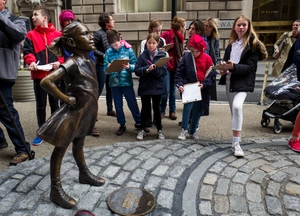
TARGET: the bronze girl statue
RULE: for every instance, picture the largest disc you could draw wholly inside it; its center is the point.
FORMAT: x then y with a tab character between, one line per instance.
76	118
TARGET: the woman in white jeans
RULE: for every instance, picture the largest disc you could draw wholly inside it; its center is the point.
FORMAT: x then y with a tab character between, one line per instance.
238	70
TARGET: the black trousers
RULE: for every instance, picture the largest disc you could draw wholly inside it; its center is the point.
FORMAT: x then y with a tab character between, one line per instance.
146	109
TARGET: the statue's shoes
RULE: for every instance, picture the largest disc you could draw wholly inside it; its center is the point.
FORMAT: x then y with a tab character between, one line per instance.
59	196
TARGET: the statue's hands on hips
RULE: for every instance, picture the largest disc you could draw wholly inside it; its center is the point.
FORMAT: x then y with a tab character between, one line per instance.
71	101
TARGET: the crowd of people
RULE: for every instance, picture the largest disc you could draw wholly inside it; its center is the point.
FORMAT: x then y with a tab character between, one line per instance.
190	62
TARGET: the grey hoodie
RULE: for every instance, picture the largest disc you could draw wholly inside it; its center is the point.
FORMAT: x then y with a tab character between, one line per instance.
12	32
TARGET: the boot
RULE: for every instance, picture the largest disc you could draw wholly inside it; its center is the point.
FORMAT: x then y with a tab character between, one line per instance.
86	177
59	196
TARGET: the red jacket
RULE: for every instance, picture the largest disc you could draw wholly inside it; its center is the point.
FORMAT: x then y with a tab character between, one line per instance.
35	48
169	36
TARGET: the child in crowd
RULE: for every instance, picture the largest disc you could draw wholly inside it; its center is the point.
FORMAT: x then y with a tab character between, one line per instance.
151	83
36	53
195	66
76	118
238	72
155	26
121	81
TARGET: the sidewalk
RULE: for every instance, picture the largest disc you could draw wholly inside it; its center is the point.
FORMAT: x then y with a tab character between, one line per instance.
186	178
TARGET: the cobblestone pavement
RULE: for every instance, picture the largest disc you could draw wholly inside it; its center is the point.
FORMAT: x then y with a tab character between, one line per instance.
186	177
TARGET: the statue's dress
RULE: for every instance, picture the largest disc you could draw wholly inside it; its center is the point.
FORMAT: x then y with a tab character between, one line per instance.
68	122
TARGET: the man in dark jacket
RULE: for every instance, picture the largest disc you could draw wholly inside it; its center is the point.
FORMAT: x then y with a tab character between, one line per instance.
12	32
106	22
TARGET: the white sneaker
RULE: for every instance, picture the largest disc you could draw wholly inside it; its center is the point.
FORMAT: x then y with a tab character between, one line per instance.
141	135
194	136
160	135
182	135
237	150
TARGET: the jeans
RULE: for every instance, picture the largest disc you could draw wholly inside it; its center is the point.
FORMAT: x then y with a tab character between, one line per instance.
41	102
171	89
196	114
129	95
6	90
101	77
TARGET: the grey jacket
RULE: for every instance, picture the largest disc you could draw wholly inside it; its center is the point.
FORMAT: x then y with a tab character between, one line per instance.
12	33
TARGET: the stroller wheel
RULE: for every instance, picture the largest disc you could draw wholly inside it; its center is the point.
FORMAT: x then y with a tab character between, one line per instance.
265	122
277	128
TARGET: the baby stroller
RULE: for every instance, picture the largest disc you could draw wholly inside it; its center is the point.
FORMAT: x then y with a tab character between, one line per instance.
286	99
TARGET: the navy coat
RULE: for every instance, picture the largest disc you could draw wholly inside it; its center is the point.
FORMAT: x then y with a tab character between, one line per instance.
186	73
152	83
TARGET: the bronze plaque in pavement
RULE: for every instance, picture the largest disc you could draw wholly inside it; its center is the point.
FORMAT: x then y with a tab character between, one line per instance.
131	201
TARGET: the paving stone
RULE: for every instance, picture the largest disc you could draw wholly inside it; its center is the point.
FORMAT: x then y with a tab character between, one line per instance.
236	189
160	170
253	192
111	171
165	199
238	163
278	176
258	176
145	155
246	169
169	183
240	178
205	208
28	183
273	205
267	168
177	171
296	179
163	153
182	152
257	163
44	209
139	175
121	178
9	201
132	165
210	179
218	167
137	150
170	160
279	164
153	182
273	188
89	200
292	189
222	186
257	209
206	192
7	186
117	151
221	204
237	204
229	172
106	160
30	200
150	163
122	159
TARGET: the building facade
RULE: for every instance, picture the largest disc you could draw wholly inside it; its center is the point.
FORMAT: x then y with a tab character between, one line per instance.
270	17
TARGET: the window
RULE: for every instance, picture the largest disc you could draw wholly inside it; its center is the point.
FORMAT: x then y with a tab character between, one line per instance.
133	6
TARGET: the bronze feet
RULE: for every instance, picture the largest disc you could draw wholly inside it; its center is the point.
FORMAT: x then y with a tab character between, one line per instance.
59	196
86	177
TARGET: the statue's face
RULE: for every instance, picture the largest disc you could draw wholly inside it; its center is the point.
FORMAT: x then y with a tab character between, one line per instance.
84	40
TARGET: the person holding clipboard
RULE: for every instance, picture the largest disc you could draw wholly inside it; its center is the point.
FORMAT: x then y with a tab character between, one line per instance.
195	68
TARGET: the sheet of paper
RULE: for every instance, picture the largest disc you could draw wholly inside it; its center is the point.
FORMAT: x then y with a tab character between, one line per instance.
46	67
167	47
116	65
162	61
191	93
217	67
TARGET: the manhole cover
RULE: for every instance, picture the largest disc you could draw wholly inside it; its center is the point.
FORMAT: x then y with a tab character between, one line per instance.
131	201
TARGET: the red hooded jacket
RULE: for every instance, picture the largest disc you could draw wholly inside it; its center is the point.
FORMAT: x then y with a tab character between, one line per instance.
35	48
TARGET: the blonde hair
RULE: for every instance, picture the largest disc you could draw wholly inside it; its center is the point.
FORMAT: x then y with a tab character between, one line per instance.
250	32
213	22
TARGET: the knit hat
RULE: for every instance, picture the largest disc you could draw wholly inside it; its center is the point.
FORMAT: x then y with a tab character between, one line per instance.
197	42
65	14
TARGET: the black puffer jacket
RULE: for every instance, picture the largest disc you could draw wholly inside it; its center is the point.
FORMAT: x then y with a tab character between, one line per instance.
151	83
244	73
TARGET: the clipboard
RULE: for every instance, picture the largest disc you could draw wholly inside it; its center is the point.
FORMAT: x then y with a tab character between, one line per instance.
162	61
116	65
167	47
46	67
191	93
218	67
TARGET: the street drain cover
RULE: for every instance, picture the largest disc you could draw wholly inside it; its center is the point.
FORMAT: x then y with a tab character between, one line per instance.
131	201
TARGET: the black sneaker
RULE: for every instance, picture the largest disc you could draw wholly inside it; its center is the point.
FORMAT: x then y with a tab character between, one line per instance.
121	130
137	126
